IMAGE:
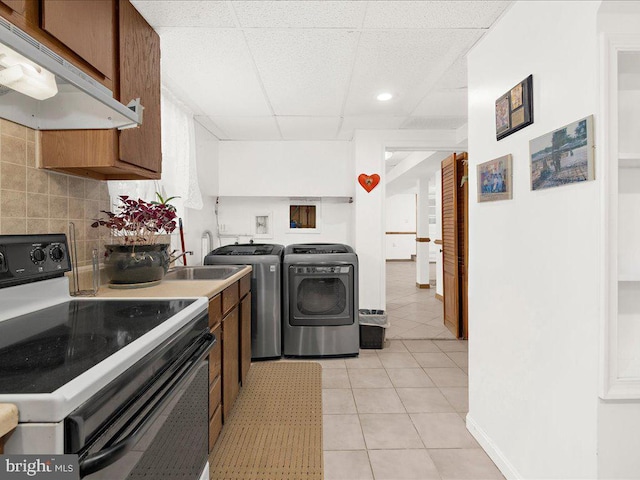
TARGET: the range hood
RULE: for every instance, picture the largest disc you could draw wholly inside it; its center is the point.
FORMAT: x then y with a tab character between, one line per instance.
80	102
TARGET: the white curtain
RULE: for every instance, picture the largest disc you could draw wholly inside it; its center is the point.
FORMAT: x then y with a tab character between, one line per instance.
179	170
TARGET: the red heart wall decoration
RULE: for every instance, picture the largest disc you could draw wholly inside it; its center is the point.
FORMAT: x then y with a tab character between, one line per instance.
369	182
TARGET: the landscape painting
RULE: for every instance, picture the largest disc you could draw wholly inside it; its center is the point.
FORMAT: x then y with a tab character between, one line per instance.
563	156
494	179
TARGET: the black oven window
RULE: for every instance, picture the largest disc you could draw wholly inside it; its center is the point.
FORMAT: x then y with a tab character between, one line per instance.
302	216
322	296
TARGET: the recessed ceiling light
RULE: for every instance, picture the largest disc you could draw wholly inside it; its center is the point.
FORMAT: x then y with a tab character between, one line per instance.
388	155
383	97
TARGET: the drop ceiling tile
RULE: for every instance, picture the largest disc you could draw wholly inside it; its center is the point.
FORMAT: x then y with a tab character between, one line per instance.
212	127
194	13
309	128
304	72
455	77
300	14
213	67
405	63
380	122
248	128
434	123
443	103
433	14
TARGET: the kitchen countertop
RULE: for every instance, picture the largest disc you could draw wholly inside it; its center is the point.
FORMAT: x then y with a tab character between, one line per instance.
175	288
8	418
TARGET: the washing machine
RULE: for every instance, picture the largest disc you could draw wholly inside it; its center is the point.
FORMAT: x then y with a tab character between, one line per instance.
320	300
266	292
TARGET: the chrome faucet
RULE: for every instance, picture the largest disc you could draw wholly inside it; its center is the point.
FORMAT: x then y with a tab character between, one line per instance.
173	258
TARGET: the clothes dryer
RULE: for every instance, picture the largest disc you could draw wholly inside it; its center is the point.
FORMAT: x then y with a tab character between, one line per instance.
320	303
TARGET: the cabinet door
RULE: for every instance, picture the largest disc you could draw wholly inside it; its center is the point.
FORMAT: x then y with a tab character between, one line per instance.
230	364
140	78
87	27
245	336
18	6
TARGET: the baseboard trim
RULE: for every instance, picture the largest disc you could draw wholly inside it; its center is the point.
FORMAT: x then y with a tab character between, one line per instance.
439	297
494	452
423	285
399	260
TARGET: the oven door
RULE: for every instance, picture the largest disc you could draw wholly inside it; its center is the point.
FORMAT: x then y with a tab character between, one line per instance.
163	433
321	295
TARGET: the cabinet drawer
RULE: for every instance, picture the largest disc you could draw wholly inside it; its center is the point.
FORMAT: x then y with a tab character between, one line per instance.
230	298
215	357
215	395
245	285
215	311
215	425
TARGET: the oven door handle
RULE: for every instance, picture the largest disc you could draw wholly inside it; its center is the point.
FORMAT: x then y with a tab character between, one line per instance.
105	457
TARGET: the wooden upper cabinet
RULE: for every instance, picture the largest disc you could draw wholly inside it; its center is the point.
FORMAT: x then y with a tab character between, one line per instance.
140	77
85	26
130	154
18	6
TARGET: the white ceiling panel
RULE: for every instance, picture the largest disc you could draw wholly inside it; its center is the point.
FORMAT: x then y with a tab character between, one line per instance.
208	124
443	103
192	13
380	122
407	63
215	70
297	14
433	14
304	72
248	128
309	128
455	77
434	123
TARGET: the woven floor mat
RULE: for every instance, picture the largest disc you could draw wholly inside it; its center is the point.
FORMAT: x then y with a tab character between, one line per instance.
274	431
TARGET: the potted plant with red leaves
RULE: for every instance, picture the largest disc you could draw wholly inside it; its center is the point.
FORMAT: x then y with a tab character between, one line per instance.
141	255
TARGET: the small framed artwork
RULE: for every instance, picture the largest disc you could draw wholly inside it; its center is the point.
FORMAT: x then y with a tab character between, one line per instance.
514	109
563	156
495	179
263	225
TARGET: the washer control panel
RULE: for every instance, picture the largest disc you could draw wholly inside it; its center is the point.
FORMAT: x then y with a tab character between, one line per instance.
28	258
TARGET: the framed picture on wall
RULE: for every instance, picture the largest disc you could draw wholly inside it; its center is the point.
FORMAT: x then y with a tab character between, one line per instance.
514	109
563	156
495	179
263	225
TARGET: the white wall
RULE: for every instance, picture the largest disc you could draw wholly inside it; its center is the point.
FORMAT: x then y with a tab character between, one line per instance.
197	221
400	217
303	169
237	216
534	260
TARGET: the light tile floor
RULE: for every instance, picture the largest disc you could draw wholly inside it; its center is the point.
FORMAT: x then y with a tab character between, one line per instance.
398	413
413	313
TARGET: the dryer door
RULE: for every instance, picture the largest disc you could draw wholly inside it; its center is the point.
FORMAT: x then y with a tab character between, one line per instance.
321	295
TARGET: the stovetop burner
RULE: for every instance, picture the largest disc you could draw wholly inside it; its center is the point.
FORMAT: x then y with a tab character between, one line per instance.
43	350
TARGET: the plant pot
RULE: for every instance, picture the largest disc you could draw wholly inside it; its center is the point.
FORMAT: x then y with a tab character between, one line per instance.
131	264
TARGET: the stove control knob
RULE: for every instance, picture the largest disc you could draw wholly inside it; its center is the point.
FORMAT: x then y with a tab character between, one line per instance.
57	254
38	255
3	263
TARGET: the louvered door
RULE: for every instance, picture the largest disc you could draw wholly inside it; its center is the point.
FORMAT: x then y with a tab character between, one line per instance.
454	243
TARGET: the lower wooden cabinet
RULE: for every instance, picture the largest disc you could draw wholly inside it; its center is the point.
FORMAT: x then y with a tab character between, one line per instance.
229	361
245	336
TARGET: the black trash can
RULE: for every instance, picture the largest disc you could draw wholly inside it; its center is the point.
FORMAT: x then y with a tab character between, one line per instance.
373	324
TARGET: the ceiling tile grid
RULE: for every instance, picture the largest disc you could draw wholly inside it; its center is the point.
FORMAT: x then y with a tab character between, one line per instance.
433	14
307	70
300	14
215	69
404	62
193	13
304	72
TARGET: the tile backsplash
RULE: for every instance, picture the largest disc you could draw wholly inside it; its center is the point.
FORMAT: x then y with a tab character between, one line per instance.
40	201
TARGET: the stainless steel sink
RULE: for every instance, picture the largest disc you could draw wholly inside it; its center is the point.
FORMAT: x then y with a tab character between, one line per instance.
210	272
